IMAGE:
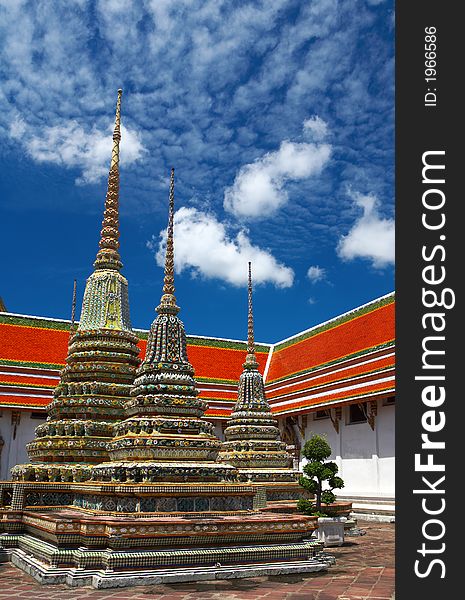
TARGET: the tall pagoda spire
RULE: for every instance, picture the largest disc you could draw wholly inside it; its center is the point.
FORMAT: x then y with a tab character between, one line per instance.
73	304
73	326
101	362
164	437
251	360
168	301
106	301
168	281
108	256
253	443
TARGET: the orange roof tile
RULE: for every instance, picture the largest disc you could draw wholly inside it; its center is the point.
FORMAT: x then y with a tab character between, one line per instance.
360	333
347	358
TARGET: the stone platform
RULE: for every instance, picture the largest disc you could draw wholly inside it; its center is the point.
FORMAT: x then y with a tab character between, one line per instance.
78	547
70	528
364	569
108	579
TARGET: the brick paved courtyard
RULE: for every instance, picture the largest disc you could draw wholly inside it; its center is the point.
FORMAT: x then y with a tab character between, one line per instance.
364	570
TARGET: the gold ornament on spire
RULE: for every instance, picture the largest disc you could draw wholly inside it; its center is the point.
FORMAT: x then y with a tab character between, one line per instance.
108	256
168	282
250	332
116	133
73	308
250	361
168	300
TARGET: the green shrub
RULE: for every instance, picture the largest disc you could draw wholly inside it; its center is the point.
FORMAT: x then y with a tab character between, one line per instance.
317	472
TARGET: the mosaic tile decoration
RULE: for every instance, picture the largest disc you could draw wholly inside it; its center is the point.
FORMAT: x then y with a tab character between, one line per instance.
100	366
253	440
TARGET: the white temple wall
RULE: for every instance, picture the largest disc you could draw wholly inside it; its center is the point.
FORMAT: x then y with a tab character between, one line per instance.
365	457
14	447
386	446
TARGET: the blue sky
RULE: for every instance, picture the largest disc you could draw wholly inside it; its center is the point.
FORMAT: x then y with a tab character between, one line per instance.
277	116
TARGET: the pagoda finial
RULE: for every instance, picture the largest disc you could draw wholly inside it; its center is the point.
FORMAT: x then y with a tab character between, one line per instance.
108	256
168	300
73	307
250	332
168	282
73	304
250	361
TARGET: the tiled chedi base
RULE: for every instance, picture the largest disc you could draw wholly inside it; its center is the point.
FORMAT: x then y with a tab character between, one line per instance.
70	546
281	491
80	546
135	499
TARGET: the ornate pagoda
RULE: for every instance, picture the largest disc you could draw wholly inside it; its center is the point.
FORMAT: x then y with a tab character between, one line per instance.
253	441
100	366
164	437
153	504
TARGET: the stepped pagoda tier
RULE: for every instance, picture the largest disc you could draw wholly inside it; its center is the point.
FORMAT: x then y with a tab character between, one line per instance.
164	437
100	366
253	443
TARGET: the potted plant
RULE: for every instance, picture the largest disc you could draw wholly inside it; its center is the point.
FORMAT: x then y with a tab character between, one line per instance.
320	478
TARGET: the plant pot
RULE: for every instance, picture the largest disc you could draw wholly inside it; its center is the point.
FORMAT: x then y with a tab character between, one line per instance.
331	530
337	509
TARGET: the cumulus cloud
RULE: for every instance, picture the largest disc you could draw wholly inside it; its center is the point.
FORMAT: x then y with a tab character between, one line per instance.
316	273
371	237
70	145
206	248
258	189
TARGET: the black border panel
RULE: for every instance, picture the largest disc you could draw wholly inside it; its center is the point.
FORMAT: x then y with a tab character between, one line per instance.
430	213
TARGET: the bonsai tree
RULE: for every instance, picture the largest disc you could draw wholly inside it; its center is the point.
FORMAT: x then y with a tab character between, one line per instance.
316	473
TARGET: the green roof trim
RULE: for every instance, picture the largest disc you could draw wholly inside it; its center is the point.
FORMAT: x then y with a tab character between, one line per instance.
233	382
226	344
46	386
25	321
213	342
32	365
35	322
209	400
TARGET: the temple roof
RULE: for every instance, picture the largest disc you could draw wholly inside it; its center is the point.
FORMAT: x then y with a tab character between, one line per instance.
33	350
347	359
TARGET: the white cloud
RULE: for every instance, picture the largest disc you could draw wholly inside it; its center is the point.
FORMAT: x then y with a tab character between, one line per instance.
71	146
316	273
315	128
204	247
371	237
17	128
258	189
247	76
